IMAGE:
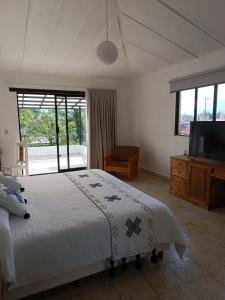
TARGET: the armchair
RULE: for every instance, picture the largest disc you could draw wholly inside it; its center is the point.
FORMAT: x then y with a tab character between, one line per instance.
123	161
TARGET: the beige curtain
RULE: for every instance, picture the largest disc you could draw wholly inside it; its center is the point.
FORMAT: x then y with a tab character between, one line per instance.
101	110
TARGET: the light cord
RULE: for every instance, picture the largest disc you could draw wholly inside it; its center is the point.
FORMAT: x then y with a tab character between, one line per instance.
107	21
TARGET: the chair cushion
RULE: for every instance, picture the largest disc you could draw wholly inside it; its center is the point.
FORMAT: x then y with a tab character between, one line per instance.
118	163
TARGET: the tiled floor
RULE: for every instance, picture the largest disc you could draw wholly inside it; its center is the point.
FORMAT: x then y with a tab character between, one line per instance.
199	275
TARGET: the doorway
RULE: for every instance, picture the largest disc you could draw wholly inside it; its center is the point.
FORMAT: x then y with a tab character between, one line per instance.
54	128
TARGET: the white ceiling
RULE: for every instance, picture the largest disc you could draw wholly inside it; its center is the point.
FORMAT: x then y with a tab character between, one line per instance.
61	36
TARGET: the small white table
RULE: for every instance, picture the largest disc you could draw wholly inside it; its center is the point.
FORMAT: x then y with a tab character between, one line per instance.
15	170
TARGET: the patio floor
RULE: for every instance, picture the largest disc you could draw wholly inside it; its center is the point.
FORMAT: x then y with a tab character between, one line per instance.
50	165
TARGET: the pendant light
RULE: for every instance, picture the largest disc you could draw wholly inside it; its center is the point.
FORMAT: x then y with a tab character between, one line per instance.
107	51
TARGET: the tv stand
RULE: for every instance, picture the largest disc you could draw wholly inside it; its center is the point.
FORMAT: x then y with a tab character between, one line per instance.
198	180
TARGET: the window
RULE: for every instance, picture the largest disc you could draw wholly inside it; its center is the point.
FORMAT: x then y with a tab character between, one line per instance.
220	112
186	111
200	104
205	99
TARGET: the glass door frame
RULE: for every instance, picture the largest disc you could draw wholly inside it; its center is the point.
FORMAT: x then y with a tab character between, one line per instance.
55	93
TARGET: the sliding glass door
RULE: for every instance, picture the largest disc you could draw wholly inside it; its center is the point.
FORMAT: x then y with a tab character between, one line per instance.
76	120
62	130
54	129
71	133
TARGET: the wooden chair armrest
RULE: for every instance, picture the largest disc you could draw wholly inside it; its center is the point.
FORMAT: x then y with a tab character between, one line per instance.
133	158
107	159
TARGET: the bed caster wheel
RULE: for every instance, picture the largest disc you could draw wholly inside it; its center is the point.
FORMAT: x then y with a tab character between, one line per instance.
137	263
124	265
25	201
22	189
154	257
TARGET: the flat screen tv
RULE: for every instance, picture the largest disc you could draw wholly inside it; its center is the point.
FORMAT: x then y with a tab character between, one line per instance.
207	139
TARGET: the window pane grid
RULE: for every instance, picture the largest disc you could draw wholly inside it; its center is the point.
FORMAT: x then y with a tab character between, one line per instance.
200	104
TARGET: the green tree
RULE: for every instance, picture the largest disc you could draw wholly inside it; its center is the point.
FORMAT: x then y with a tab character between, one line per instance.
38	126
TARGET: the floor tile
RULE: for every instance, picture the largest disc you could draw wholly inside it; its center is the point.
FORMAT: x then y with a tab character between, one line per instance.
196	227
162	280
183	293
134	288
96	281
187	270
208	289
219	252
103	293
220	276
210	262
208	241
193	249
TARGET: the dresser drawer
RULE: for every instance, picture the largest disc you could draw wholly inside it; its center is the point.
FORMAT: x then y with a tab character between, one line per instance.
177	180
178	164
178	190
180	172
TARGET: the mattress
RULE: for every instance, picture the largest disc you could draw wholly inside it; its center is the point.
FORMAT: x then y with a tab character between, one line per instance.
67	231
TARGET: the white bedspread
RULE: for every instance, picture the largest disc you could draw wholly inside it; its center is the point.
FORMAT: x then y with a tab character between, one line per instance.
6	248
66	230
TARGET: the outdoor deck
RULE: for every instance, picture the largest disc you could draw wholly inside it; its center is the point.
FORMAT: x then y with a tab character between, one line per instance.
44	159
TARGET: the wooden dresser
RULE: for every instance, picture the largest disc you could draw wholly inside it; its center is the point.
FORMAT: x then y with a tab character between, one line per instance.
199	180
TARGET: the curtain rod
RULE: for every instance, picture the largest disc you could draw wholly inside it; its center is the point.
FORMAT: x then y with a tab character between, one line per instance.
47	91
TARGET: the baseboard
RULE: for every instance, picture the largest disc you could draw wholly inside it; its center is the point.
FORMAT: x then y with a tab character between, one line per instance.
154	172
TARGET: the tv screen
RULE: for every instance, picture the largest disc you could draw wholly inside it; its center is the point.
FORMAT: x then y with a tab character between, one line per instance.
207	139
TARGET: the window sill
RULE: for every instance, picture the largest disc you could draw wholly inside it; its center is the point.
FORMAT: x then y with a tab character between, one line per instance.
182	135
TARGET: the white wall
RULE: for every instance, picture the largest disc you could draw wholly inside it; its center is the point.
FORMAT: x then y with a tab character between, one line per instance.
8	105
153	112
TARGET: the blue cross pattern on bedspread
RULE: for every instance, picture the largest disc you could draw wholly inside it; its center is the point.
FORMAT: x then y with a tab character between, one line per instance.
12	193
133	227
129	218
94	185
112	198
83	175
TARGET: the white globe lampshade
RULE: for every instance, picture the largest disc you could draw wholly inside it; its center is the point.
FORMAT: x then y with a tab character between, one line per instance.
107	52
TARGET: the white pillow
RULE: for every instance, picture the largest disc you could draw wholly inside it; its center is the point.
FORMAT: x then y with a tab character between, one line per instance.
13	202
11	182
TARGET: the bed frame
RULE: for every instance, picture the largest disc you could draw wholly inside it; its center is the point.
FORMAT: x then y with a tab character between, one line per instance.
46	284
53	282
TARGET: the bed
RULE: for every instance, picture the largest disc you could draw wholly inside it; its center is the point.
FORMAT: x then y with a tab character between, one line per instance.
81	223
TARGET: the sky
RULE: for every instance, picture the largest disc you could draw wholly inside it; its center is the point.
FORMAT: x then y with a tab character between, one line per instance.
204	94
